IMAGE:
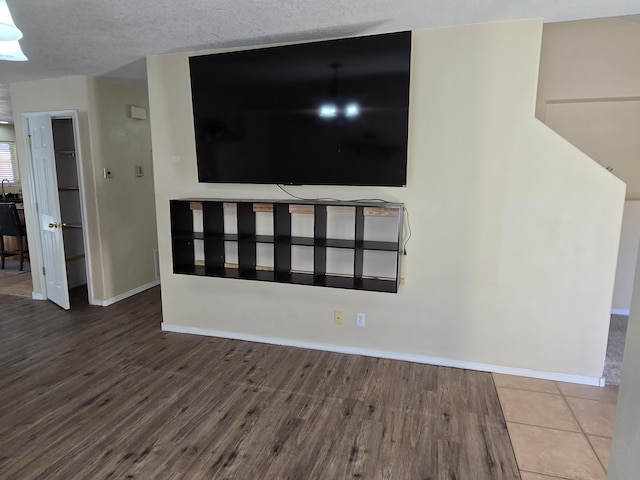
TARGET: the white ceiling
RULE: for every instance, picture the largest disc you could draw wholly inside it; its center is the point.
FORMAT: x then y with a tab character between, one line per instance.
111	38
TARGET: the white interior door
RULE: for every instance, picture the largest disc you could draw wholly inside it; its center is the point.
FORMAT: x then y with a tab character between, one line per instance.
48	209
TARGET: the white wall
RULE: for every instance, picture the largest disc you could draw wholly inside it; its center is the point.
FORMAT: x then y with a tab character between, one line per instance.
625	272
589	93
119	215
69	93
126	208
515	232
7	133
589	59
605	130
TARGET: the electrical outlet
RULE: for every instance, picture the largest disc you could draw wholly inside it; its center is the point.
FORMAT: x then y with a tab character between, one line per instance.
338	317
361	319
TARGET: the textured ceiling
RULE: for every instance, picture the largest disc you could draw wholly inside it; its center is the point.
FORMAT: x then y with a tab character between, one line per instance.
111	38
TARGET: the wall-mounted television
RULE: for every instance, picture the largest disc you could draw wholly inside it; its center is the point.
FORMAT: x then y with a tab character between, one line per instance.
322	113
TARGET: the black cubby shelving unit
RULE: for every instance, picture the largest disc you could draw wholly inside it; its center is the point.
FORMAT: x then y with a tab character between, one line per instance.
214	236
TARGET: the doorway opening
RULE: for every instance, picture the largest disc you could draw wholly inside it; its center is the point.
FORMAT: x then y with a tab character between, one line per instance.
58	207
16	282
70	203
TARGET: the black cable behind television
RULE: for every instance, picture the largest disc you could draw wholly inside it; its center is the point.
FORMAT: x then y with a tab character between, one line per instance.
322	113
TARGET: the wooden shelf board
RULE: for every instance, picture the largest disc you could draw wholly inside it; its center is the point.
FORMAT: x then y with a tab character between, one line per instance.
378	245
308	209
263	207
188	236
295	277
190	270
335	243
224	237
300	241
389	286
367	211
380	212
259	268
65	153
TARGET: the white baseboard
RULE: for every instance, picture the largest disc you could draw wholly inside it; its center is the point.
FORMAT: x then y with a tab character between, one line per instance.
620	311
37	296
130	293
561	377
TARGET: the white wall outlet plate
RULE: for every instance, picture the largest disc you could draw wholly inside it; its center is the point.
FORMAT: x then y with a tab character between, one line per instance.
108	173
139	113
361	319
139	171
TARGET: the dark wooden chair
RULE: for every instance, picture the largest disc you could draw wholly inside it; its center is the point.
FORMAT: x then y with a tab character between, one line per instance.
11	226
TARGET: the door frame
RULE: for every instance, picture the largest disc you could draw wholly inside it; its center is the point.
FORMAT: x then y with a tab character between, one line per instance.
35	195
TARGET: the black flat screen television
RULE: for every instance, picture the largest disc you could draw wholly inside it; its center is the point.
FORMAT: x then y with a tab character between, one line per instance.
322	113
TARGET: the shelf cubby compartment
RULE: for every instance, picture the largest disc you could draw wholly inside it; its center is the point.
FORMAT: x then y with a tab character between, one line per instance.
233	246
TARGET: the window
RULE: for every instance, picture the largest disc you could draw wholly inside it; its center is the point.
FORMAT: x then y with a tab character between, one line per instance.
8	168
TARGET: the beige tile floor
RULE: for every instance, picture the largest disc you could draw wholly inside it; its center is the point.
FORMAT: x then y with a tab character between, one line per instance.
559	431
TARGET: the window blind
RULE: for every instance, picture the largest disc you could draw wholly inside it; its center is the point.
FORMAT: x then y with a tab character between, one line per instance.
7	162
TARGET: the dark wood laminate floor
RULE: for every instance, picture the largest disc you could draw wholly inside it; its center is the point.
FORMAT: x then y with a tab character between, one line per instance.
99	393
